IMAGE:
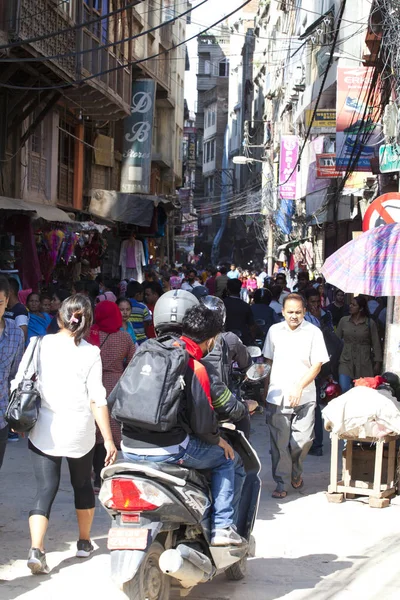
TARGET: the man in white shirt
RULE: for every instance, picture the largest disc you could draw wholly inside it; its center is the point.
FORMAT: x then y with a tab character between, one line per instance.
190	282
233	273
296	351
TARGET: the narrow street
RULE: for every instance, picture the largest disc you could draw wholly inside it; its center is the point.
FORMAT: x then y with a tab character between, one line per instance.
306	547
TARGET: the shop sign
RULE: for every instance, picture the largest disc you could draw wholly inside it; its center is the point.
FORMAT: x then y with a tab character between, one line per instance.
138	133
326	166
192	151
288	167
382	211
324	118
389	158
357	120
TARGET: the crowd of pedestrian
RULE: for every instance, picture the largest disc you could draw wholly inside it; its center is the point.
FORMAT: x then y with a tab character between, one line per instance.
90	332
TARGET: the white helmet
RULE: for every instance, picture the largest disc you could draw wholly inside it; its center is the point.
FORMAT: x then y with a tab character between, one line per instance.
170	309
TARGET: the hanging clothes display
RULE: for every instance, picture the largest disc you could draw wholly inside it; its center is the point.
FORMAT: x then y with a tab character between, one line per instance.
132	259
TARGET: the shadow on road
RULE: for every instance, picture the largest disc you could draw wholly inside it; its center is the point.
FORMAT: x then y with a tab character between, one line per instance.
272	578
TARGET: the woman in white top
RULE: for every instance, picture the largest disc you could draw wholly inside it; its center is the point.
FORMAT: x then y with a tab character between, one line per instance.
73	398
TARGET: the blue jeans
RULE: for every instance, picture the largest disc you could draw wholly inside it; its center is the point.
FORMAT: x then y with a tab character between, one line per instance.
345	382
227	476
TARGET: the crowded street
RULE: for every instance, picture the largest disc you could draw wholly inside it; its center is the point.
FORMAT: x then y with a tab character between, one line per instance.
199	299
306	547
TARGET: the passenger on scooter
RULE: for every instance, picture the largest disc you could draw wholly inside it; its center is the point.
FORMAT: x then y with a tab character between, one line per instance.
195	441
225	404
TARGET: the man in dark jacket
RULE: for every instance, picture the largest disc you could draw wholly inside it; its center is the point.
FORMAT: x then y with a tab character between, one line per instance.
195	441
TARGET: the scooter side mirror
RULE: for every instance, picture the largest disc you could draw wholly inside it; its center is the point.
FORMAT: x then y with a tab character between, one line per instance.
254	351
258	372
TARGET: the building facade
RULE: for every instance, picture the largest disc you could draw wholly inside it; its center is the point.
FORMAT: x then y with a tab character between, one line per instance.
68	92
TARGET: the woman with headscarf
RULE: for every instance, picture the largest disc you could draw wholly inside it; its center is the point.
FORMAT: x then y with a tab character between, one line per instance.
116	351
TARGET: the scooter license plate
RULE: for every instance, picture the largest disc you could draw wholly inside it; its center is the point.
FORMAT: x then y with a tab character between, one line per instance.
126	538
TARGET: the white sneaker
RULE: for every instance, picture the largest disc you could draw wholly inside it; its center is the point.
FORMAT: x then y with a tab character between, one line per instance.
226	537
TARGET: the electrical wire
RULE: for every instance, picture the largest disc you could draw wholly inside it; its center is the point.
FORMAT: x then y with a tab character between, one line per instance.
75	27
122	66
101	46
330	60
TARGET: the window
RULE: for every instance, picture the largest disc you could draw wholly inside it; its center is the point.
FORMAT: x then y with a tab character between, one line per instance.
209	187
213	117
209	151
68	7
223	68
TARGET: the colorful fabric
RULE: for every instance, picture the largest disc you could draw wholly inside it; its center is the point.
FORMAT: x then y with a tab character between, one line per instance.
369	264
107	319
140	315
11	352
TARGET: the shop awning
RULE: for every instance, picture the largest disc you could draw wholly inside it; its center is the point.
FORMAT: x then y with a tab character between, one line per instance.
136	209
42	211
15	204
50	213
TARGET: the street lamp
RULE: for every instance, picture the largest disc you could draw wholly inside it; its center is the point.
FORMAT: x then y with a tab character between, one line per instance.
245	160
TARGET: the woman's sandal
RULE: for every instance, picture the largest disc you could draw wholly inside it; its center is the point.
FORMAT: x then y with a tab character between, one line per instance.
279	494
297	485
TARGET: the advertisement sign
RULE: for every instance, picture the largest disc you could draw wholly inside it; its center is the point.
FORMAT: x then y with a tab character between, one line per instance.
288	167
192	151
389	158
324	117
138	132
326	166
357	129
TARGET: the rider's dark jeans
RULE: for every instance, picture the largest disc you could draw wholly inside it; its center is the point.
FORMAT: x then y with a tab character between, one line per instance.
227	476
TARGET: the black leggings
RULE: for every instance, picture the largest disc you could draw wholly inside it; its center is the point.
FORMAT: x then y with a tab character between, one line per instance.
47	470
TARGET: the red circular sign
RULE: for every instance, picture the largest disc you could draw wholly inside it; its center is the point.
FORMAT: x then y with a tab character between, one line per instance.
383	211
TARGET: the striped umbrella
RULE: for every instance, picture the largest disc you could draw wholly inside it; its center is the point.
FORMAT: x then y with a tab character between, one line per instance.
369	264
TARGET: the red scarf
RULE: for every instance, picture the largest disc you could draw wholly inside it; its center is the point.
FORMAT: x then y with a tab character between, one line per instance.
196	354
107	318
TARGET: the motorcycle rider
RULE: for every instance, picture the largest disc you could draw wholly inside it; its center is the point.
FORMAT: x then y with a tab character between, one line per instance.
195	441
225	404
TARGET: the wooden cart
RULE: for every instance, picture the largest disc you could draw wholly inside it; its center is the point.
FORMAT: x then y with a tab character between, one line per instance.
378	492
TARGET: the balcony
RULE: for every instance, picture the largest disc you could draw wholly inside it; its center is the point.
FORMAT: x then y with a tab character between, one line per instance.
106	96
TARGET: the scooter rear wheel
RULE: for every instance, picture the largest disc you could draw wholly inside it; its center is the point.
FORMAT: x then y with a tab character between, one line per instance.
149	582
238	570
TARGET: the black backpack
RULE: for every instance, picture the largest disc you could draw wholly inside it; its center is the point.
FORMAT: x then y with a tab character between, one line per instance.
151	389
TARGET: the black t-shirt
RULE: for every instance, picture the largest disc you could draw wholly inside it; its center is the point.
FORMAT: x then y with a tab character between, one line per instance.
239	317
338	312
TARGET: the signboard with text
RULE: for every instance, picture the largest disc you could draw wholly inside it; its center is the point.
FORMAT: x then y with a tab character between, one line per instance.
138	133
389	158
358	112
288	167
324	117
326	166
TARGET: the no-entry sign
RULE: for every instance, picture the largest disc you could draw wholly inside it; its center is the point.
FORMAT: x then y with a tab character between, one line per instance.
383	211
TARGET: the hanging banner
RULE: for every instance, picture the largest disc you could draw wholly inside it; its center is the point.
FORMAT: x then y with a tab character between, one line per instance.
357	116
138	133
288	167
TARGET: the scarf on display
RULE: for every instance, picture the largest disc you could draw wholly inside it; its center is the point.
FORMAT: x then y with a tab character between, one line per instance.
107	318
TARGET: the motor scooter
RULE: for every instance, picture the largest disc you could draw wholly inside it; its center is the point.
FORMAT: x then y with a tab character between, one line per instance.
160	532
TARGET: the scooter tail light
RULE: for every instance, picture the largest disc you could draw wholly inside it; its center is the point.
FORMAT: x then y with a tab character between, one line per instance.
132	495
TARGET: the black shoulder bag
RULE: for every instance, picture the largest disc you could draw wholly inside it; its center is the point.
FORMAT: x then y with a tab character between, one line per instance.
23	408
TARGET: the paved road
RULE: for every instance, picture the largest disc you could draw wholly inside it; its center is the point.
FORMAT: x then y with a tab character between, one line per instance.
306	547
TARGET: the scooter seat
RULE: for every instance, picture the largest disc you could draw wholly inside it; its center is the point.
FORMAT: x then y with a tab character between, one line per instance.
178	473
